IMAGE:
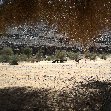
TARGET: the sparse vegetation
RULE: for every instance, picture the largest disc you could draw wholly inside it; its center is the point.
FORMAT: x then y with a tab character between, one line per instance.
93	56
60	54
39	56
7	51
73	56
87	55
22	57
28	52
49	58
4	58
14	60
103	56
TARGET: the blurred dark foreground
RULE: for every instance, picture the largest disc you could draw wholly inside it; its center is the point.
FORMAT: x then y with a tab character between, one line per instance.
93	96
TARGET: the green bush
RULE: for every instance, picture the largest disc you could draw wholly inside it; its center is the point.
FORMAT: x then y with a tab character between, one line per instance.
28	51
23	57
60	55
87	55
14	60
4	58
49	58
0	58
73	56
39	56
31	59
103	56
7	51
92	56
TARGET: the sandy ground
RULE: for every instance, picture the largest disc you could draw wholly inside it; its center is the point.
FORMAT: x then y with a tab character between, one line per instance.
53	75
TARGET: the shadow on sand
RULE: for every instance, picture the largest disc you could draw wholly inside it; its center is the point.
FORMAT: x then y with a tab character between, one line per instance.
93	96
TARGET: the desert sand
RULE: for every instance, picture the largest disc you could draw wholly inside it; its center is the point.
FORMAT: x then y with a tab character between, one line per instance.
46	74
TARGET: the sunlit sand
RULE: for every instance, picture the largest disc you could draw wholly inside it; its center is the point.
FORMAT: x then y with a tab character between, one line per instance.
46	74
